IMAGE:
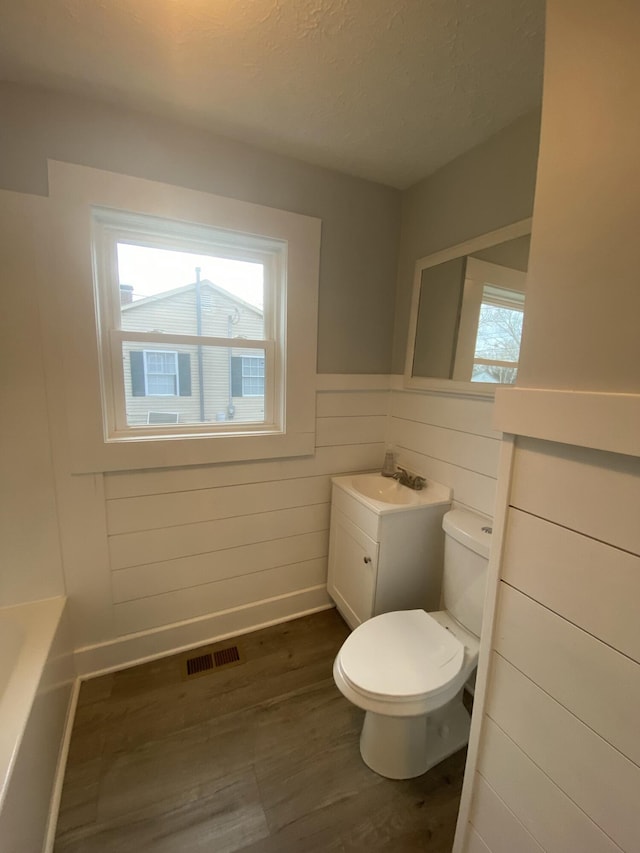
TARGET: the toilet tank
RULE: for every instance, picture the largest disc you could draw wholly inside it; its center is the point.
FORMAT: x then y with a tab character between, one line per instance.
466	557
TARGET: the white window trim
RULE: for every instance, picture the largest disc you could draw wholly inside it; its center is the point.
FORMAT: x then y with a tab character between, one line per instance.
74	192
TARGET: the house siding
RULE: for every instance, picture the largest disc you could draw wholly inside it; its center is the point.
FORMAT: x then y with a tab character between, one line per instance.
176	314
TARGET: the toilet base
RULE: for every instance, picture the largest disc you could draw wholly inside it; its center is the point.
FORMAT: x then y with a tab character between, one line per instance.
405	747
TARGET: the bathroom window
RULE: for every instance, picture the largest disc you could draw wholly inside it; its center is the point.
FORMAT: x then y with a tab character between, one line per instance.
204	279
194	314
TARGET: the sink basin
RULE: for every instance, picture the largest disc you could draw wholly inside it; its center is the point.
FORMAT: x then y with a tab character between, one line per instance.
384	494
383	489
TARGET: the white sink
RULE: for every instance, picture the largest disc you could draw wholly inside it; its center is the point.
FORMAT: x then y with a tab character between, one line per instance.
384	494
384	489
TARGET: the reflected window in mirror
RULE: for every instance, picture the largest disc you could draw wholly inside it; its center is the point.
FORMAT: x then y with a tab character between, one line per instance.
468	313
499	334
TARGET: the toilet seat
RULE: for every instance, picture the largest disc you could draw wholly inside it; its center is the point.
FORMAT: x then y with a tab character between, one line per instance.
399	657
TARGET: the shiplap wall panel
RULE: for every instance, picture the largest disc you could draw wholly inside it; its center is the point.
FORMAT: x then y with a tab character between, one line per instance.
194	542
449	440
588	582
581	672
474	452
497	825
126	515
568	752
475	844
550	816
330	460
461	414
214	597
588	491
347	404
474	490
168	575
351	430
150	546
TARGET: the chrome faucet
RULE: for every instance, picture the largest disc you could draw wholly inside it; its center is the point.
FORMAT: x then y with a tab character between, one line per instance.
412	481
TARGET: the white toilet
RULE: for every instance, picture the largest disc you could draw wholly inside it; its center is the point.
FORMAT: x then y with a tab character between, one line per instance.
407	669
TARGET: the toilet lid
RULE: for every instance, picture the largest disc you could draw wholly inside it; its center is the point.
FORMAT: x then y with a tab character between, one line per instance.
405	653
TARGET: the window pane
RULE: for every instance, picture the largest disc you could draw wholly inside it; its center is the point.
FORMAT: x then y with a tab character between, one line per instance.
494	373
159	291
252	377
499	333
193	385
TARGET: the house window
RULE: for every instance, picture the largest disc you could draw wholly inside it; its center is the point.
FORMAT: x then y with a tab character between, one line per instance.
160	374
247	376
176	303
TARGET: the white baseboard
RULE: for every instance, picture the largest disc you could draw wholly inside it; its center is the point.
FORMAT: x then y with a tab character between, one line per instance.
133	649
56	792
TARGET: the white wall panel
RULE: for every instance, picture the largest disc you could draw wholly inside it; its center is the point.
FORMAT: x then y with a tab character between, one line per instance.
598	778
154	511
549	815
184	572
587	582
476	491
223	595
150	546
589	491
458	413
30	552
474	452
333	459
449	440
497	825
351	430
189	545
578	670
343	404
475	844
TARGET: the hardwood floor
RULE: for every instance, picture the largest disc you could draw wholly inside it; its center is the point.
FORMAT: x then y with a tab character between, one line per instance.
257	758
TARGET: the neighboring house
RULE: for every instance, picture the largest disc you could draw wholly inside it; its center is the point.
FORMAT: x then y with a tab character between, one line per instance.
191	384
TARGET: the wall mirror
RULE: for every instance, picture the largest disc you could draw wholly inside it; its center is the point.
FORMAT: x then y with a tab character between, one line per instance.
466	314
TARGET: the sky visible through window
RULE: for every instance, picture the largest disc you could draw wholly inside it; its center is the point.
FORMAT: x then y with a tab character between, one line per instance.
150	271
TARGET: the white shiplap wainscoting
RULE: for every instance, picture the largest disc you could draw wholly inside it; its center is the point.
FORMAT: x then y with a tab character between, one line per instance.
554	756
203	552
449	439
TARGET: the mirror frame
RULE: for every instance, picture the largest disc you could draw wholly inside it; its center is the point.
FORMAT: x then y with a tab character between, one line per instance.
476	244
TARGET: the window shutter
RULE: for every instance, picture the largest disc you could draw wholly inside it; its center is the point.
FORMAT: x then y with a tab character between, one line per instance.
136	361
184	373
236	376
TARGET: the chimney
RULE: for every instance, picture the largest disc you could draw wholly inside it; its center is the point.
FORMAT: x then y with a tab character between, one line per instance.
126	294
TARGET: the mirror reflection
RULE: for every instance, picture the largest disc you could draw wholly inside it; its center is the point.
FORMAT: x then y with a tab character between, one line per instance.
470	313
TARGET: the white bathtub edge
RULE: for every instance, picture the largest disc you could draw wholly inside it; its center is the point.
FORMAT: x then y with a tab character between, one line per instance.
56	793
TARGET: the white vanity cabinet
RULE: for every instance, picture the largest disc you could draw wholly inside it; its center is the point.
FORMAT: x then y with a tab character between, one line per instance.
385	550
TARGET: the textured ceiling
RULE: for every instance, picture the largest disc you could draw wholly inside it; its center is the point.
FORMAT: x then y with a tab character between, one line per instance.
385	89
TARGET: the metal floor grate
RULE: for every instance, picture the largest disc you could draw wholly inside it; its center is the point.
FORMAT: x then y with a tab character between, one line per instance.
210	659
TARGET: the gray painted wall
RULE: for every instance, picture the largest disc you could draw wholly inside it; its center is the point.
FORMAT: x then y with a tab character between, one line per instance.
488	187
360	219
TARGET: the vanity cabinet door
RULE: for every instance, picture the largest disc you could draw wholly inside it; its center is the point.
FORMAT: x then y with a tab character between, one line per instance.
353	568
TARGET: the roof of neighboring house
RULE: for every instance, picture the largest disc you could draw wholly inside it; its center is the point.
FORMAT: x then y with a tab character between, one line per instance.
176	291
